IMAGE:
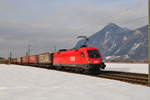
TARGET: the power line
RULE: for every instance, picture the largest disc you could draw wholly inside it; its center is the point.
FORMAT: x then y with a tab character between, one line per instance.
125	11
134	20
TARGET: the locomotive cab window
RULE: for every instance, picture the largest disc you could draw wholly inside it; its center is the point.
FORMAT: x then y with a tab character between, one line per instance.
82	54
93	54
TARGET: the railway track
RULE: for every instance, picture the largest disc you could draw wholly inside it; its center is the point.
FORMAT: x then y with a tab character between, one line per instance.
128	77
134	78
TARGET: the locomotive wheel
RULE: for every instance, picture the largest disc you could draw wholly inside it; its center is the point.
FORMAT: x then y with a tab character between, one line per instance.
59	67
85	71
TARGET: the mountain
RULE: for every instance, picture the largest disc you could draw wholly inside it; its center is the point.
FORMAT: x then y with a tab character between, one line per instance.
120	44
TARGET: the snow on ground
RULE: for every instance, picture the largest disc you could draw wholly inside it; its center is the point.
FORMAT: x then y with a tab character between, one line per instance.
28	83
127	67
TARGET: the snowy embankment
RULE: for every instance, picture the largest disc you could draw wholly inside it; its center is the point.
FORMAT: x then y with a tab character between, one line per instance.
28	83
127	67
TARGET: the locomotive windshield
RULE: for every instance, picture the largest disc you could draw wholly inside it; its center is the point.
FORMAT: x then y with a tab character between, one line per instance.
93	54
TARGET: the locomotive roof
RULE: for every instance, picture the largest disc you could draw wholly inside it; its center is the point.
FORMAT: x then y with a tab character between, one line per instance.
76	49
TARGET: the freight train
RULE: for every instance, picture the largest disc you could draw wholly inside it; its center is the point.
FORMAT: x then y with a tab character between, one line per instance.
84	59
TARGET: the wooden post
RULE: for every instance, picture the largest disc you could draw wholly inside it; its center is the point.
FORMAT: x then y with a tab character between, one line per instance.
149	42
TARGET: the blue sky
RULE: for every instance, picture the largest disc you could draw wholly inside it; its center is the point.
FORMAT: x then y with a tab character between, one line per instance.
46	23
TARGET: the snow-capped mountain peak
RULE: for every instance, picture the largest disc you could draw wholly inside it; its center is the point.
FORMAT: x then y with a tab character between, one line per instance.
115	42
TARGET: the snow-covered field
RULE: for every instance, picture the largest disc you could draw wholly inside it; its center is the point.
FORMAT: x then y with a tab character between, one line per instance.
126	67
28	83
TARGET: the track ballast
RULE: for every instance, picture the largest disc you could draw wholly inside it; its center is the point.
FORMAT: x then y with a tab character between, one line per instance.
134	78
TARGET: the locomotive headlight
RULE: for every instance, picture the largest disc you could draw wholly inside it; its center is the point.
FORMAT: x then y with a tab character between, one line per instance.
89	61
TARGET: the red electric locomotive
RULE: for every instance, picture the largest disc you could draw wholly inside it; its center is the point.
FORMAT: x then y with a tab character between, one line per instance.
84	59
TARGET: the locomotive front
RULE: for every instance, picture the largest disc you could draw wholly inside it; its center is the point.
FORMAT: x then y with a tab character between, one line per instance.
94	59
85	59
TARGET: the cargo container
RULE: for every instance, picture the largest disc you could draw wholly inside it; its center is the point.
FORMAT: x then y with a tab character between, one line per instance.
25	59
45	58
33	59
14	60
18	60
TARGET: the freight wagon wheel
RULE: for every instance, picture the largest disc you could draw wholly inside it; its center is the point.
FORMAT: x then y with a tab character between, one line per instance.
77	70
85	71
59	67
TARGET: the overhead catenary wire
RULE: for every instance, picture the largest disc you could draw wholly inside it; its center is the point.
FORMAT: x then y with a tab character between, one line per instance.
133	19
136	19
